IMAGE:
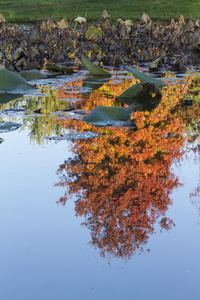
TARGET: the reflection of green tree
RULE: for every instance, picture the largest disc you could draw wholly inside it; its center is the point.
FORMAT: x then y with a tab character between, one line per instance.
37	117
47	104
42	127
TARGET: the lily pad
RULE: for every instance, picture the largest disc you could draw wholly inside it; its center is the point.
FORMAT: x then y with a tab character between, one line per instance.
145	78
146	96
93	69
32	75
13	111
74	136
7	97
10	81
110	114
9	126
94	82
59	68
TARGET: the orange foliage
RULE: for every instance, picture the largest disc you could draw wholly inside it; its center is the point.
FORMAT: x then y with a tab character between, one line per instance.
122	179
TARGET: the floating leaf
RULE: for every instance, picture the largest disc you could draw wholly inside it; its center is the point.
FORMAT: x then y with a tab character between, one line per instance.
146	96
74	136
7	97
110	114
145	78
94	82
32	75
13	111
10	81
59	68
9	126
140	90
93	69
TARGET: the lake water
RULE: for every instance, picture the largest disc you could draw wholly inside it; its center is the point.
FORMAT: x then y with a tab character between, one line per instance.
50	249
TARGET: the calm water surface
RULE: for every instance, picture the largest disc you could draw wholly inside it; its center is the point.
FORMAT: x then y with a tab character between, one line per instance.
45	251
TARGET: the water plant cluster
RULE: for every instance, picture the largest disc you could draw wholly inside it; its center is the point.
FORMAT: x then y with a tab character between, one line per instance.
173	46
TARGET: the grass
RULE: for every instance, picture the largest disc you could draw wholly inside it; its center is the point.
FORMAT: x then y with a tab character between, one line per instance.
20	11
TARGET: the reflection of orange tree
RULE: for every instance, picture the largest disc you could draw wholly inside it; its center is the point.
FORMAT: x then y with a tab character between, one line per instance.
105	95
123	179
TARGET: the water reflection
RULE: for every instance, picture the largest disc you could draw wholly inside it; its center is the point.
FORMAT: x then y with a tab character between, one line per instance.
42	113
122	179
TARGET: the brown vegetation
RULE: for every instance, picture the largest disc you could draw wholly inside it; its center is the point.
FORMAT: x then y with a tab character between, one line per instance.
173	45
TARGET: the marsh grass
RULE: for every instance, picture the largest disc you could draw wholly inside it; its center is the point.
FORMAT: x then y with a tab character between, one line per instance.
163	10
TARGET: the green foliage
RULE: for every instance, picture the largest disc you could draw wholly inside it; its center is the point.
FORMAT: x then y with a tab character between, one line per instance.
96	30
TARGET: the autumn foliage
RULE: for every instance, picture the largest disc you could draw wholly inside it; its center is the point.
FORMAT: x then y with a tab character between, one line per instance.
122	180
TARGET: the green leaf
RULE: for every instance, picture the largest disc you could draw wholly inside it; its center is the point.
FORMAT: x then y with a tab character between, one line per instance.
110	114
32	75
10	81
93	69
146	96
59	68
145	78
